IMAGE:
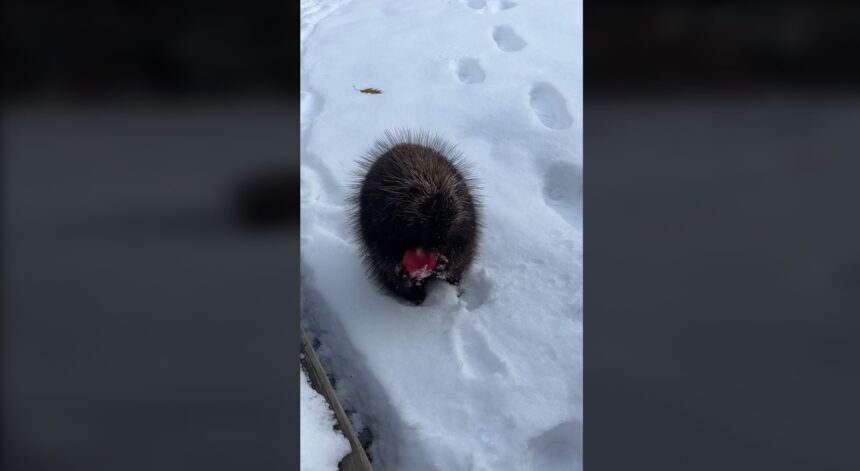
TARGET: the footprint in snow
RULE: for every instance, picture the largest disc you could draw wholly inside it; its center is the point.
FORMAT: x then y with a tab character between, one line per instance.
330	189
562	191
476	358
468	70
310	108
499	5
507	40
491	5
549	106
477	289
557	448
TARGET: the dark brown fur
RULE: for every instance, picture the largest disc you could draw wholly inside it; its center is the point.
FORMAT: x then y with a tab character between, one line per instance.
414	191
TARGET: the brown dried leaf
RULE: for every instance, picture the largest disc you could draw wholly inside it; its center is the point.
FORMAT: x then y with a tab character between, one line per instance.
370	91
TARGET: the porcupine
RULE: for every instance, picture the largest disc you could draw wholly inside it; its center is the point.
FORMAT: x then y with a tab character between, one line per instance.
414	213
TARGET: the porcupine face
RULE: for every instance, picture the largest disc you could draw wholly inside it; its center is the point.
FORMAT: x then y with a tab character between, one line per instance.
414	215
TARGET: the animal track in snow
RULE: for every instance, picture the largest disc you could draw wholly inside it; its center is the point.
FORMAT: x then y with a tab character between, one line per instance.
494	6
475	356
310	183
562	190
311	12
507	40
556	448
468	70
476	289
499	5
549	106
330	186
309	109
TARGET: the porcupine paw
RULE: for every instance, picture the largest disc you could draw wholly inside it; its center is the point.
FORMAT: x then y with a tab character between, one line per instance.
456	282
416	295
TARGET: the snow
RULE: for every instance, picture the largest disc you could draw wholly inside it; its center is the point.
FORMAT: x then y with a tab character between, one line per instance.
322	447
490	380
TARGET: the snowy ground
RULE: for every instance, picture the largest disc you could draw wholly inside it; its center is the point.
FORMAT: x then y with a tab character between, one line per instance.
322	447
490	380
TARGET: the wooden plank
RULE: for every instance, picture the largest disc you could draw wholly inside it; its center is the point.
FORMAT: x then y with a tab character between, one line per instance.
356	460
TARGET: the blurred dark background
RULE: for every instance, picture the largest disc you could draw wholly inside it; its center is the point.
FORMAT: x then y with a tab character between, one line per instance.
722	237
150	235
98	50
721	46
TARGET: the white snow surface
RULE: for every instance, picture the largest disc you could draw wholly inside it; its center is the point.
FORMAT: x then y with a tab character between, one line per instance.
322	447
490	380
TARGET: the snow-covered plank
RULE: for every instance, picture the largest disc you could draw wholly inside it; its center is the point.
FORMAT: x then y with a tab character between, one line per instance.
356	460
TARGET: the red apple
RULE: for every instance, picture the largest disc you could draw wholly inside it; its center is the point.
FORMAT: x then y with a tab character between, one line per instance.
419	262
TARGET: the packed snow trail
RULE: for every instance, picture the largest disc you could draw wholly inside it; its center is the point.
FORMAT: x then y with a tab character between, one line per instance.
491	380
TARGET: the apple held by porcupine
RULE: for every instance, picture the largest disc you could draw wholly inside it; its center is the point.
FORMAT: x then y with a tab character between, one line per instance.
414	213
